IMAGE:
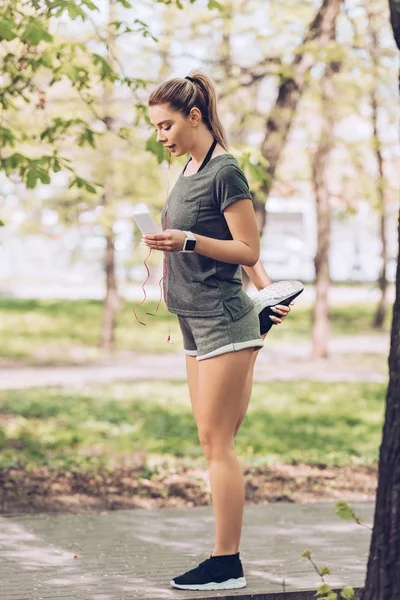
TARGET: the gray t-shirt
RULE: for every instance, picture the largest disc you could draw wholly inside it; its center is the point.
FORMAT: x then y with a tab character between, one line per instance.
199	286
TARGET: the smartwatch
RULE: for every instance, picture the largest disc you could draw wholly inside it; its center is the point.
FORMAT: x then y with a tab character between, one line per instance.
190	242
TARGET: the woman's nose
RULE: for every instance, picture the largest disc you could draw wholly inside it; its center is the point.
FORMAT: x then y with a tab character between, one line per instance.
160	137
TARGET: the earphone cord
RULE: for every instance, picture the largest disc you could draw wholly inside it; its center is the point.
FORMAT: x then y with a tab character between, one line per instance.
169	340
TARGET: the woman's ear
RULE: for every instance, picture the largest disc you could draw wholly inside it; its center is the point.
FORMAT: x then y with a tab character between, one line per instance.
195	116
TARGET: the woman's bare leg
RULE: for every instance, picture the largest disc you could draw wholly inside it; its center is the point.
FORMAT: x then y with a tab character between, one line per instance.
221	385
248	388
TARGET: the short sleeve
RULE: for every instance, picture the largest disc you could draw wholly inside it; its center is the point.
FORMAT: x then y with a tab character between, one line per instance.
230	184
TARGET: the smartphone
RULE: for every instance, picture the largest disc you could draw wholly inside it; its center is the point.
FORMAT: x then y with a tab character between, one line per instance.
146	223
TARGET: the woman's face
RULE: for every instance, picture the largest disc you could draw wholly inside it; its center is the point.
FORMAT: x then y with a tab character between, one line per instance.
174	130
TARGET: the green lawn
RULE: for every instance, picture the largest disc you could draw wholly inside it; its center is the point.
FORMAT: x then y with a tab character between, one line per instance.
49	331
302	422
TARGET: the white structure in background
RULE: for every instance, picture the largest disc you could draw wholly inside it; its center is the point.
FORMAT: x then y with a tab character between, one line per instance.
69	262
290	240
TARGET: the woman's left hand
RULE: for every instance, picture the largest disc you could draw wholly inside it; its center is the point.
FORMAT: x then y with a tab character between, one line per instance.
170	240
282	311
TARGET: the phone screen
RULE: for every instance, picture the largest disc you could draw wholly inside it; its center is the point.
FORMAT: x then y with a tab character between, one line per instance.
146	223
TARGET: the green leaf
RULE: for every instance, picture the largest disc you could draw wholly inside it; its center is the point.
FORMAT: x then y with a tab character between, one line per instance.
344	511
324	588
87	137
256	172
6	30
14	161
106	70
125	3
306	554
75	11
47	58
214	4
347	593
35	33
2	224
89	187
79	182
324	570
43	176
90	5
7	137
156	148
31	178
34	173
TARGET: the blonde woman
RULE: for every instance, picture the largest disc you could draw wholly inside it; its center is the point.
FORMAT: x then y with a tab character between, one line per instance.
209	231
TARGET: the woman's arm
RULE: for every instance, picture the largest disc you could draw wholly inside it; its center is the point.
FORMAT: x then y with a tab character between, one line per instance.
258	275
244	248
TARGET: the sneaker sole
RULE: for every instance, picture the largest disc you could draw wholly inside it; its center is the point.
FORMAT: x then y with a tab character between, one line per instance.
230	584
265	322
283	299
286	301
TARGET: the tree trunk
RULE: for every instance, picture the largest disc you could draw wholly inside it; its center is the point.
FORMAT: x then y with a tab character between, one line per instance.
377	146
320	165
383	572
225	53
112	302
320	32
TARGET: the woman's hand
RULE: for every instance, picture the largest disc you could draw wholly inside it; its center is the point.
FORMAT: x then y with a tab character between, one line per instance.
170	240
282	311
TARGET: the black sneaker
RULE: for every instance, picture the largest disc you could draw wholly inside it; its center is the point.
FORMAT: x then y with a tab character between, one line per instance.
216	573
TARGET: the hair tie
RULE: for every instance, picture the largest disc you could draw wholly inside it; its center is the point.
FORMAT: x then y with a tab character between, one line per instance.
190	79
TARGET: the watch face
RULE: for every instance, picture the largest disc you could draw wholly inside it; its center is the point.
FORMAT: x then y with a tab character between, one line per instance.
190	245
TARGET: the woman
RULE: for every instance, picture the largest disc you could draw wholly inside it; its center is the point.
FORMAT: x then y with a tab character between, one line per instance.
209	230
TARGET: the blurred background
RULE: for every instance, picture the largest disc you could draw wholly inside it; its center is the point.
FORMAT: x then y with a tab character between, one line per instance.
308	94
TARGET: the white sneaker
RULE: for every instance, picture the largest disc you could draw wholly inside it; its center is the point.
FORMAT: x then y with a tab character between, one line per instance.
281	292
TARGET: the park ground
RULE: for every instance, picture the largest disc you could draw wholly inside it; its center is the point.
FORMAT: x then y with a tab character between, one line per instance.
126	444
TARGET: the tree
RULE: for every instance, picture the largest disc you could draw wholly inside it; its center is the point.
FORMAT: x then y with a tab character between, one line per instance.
293	85
373	28
383	572
320	165
33	61
112	302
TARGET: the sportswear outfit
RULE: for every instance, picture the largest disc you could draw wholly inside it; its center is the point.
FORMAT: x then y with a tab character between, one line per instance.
214	312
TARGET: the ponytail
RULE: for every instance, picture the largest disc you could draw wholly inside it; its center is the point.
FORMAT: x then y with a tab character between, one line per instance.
184	94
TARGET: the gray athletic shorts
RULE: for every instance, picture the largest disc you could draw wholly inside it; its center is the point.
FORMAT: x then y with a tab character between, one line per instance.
205	337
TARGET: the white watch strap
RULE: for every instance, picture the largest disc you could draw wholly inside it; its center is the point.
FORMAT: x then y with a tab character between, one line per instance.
190	235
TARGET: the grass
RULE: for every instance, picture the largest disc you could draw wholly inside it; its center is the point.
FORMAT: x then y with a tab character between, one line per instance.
302	422
49	331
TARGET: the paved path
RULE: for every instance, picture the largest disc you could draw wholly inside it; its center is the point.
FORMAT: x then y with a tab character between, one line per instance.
133	554
276	362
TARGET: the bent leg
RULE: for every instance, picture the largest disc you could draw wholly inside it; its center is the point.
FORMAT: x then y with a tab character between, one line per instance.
248	389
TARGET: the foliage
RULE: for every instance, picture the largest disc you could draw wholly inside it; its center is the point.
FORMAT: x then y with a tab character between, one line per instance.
324	591
35	59
51	331
309	423
344	511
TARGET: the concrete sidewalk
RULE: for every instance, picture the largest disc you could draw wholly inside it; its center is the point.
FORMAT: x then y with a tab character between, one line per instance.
133	554
275	362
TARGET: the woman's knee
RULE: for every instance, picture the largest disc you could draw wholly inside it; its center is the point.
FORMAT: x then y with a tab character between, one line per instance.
213	443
